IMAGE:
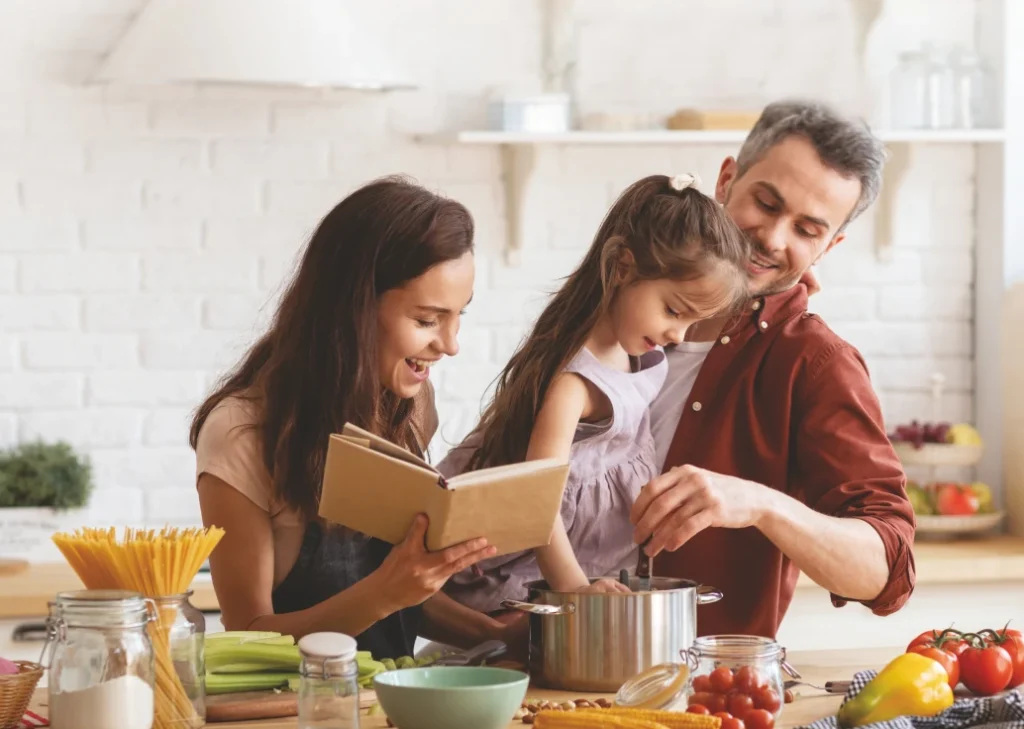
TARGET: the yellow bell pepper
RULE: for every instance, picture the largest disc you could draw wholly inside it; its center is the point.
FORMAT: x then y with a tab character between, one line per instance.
910	685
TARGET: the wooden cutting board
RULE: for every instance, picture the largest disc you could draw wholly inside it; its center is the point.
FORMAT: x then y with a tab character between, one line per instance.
249	705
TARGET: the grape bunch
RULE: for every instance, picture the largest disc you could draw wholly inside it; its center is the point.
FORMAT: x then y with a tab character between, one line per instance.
917	433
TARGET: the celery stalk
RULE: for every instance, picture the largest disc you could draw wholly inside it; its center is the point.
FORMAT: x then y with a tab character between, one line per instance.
241	635
221	684
270	657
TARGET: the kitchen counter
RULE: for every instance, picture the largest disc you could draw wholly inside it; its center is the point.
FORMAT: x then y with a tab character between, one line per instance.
995	559
816	667
26	593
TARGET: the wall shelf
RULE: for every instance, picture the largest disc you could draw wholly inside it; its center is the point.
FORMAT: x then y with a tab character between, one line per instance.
518	153
699	136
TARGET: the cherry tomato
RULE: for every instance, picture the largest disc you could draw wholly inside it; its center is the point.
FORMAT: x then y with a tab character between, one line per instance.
721	680
986	670
948	661
697	709
747	680
718	703
767	699
759	719
702	684
703	698
740	704
729	721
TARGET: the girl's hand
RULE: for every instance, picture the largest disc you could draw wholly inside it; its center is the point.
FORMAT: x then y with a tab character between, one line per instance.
410	574
605	585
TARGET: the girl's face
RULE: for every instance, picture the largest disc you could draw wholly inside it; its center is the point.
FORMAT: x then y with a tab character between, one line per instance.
418	323
646	314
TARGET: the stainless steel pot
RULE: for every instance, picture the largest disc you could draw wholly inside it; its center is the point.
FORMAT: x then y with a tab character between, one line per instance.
594	642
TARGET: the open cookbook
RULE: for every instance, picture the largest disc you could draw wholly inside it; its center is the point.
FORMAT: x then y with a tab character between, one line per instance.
376	487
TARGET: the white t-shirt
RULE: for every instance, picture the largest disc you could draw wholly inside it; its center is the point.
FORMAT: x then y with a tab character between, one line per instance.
684	361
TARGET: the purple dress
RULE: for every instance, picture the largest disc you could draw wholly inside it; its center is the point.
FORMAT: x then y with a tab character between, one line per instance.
609	463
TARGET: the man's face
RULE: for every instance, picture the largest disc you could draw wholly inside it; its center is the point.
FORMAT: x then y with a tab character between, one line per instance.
791	206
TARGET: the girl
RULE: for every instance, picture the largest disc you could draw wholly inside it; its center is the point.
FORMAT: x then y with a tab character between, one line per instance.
580	385
375	302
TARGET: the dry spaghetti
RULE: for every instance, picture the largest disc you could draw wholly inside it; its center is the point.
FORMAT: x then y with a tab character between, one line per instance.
156	564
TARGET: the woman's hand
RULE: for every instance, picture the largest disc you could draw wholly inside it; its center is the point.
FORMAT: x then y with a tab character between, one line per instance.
606	585
410	574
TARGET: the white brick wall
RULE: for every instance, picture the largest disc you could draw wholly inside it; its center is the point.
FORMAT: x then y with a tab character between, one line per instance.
145	233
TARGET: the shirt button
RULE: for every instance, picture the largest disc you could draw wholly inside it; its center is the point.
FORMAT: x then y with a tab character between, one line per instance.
697	406
756	305
725	339
764	325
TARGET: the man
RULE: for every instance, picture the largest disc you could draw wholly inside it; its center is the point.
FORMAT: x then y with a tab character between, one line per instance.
775	456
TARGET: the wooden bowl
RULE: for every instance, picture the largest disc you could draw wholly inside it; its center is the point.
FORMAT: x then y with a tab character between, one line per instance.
16	691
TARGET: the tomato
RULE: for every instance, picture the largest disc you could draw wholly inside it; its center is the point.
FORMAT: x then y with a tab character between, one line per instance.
717	703
759	719
948	640
956	500
697	709
721	680
1014	646
729	721
747	680
986	670
948	661
767	699
702	684
704	698
739	705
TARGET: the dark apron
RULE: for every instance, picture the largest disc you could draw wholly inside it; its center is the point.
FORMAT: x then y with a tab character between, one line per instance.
333	560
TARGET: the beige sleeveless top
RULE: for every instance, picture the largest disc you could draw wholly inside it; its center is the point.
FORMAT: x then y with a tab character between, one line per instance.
230	449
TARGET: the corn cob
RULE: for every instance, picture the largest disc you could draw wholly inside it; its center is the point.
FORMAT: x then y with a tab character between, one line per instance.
670	719
596	719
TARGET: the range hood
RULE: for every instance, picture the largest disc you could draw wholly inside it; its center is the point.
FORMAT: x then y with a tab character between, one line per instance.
313	43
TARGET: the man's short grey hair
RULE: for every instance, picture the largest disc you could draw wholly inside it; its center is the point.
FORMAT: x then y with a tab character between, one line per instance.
845	145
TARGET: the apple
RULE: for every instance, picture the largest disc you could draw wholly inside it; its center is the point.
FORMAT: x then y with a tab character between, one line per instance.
953	499
7	667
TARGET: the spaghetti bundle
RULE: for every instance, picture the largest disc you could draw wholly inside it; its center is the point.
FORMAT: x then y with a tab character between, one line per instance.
156	564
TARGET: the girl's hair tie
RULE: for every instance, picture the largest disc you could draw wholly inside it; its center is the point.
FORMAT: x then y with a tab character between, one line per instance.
682	181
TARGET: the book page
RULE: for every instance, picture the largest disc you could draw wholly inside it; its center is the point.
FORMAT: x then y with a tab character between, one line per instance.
380	445
500	473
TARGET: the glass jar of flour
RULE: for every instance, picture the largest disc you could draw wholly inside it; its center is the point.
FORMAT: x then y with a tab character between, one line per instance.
101	670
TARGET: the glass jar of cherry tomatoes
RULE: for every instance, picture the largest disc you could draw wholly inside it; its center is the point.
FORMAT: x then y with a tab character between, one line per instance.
737	678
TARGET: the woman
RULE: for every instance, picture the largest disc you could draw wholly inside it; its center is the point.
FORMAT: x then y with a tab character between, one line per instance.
375	302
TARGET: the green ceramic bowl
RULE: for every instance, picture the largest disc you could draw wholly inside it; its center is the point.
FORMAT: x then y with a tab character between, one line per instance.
445	697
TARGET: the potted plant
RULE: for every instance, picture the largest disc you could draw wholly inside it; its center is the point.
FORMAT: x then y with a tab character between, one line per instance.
44	488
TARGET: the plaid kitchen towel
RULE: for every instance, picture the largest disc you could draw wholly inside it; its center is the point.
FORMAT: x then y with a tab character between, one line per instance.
993	712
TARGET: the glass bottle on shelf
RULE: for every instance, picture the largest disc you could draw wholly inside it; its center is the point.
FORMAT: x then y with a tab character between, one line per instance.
974	91
922	87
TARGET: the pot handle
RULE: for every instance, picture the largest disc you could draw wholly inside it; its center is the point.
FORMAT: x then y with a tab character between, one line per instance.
535	609
707	594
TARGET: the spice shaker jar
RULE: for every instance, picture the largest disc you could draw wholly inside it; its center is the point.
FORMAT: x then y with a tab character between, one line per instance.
182	629
101	669
328	683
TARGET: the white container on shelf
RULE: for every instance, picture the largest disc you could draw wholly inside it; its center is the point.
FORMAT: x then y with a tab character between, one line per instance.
536	113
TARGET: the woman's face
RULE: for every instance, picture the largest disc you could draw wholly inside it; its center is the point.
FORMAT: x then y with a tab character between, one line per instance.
418	323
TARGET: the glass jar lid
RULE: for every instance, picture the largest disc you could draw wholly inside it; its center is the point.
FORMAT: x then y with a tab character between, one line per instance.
325	655
657	687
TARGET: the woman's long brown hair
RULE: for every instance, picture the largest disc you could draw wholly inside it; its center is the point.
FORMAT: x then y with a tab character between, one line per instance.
316	367
673	234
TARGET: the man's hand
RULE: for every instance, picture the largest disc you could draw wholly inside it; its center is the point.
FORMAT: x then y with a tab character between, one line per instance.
681	502
810	280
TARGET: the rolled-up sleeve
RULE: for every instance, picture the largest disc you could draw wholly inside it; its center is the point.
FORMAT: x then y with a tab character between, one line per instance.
848	468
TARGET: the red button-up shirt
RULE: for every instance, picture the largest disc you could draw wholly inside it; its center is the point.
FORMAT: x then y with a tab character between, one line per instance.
783	401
